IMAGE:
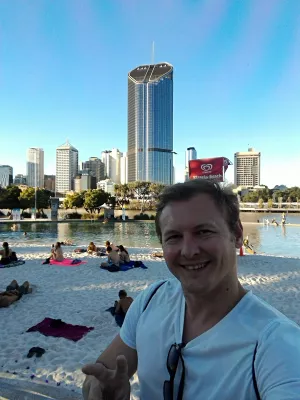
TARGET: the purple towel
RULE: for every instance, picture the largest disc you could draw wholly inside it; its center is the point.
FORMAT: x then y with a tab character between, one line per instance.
58	328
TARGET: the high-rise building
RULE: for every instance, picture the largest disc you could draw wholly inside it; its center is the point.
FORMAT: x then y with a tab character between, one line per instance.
112	164
6	176
124	169
66	167
106	159
247	168
20	179
49	182
190	154
96	167
35	167
150	123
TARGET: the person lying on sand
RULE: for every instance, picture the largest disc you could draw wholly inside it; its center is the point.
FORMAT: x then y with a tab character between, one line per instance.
200	334
124	255
92	248
13	293
113	258
67	242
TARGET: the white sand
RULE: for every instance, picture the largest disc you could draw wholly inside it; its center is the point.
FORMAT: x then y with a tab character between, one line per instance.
80	296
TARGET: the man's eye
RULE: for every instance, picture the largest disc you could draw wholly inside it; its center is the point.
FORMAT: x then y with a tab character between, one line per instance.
172	237
204	232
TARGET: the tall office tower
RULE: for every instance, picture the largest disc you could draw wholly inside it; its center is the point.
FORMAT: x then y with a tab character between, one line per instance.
150	123
96	166
124	169
247	168
35	167
6	176
66	167
106	159
190	154
112	162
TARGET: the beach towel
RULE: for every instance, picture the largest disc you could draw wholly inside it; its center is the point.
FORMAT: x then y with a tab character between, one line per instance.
68	262
58	328
125	267
12	264
119	318
132	264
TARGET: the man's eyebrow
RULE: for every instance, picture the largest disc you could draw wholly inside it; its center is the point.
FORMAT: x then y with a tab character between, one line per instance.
197	227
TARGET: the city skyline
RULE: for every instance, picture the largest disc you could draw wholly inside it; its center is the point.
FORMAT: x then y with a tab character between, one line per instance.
235	68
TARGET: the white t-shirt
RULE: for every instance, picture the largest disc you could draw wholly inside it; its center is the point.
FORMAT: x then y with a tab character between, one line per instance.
218	363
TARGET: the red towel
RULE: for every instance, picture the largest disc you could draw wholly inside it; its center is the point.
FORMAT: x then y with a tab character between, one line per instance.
58	328
67	262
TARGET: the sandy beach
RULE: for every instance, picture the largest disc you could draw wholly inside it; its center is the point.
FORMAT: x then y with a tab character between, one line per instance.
80	295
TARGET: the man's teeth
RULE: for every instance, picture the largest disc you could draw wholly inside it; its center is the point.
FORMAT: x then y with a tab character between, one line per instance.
198	266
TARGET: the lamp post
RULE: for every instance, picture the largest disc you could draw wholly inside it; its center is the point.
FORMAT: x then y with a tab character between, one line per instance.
171	166
35	181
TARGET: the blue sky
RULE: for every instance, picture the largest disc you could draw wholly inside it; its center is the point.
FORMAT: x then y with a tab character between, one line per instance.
64	65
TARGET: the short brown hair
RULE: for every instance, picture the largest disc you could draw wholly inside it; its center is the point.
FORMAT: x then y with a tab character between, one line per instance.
223	197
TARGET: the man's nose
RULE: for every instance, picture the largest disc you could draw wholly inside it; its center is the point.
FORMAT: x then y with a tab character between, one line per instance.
190	247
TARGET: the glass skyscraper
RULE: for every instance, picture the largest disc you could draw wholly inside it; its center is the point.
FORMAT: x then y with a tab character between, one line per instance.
150	123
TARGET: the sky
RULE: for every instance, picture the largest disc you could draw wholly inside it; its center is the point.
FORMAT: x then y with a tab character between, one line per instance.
64	66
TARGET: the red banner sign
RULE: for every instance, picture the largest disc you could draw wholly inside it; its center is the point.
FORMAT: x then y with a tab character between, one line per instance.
209	168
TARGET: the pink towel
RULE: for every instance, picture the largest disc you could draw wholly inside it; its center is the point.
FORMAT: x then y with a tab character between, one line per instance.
58	328
67	262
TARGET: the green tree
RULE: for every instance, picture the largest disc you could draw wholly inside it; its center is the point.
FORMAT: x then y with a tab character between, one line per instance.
140	189
27	198
74	200
93	199
270	203
155	190
9	197
260	203
122	193
251	197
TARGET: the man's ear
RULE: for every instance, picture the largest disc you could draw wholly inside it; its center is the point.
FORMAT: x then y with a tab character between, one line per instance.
238	234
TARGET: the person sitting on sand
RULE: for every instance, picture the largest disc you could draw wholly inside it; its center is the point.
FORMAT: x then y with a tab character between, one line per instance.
113	258
13	293
57	253
124	255
123	304
5	254
114	248
92	248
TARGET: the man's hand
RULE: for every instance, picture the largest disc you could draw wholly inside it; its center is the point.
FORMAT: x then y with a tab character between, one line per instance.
106	384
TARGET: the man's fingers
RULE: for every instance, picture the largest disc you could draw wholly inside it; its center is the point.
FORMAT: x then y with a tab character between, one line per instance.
97	370
122	366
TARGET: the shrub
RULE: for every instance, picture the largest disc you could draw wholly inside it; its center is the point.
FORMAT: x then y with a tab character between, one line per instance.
141	217
41	215
89	216
26	214
73	215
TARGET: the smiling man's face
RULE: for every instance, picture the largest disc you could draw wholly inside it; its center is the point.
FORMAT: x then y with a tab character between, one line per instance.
198	246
